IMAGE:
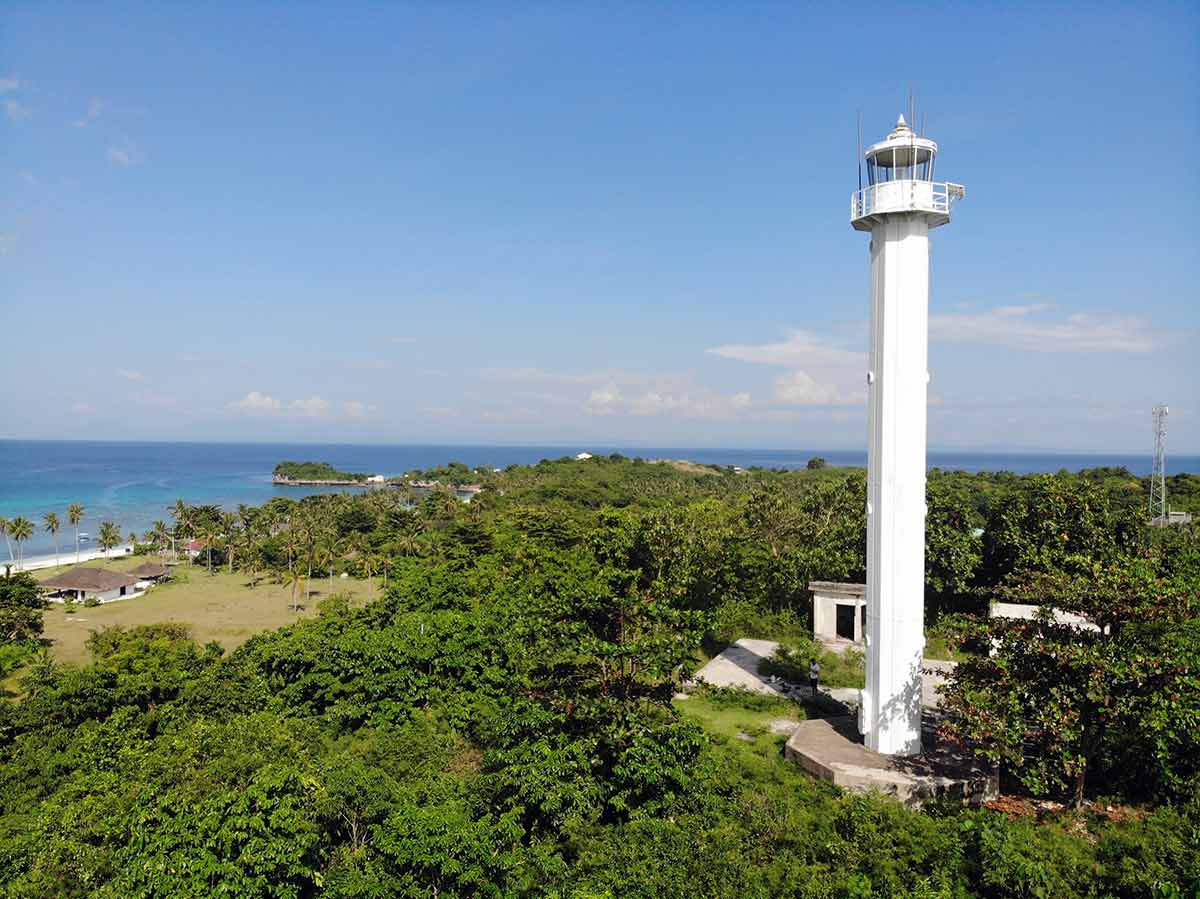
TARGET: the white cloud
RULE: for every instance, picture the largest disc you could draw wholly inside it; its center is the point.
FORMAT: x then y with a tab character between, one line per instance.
256	402
609	400
357	409
531	375
1026	327
125	153
9	84
130	375
313	407
95	108
822	374
798	388
81	407
16	111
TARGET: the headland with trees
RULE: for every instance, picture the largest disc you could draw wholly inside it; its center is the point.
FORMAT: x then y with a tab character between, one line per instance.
503	720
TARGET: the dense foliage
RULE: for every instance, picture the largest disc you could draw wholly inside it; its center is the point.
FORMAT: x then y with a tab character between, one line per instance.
501	722
314	471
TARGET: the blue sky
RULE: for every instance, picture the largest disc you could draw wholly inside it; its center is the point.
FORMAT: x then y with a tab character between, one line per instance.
617	223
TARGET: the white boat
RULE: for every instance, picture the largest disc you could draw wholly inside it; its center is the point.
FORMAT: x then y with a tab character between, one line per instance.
84	536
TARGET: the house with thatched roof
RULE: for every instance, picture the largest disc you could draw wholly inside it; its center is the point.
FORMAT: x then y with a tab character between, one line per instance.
86	583
151	571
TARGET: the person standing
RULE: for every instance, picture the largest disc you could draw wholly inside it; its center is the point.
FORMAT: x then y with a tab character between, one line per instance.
814	675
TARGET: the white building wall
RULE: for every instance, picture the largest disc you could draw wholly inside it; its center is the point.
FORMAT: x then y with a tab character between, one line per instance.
898	378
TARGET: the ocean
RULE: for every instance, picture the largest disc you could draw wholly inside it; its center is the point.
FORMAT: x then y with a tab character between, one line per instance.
133	484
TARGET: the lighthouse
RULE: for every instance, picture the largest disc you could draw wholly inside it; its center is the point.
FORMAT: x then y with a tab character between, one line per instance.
898	206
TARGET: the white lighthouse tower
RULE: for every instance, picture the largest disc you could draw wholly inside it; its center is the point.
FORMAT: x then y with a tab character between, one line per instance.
899	205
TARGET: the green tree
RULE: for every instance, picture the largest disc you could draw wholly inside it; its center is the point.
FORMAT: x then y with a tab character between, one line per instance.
4	529
1057	696
110	536
21	607
953	552
75	514
1048	518
297	583
21	529
50	520
161	535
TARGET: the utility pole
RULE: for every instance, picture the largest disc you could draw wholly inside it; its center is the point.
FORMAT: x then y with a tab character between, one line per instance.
1159	510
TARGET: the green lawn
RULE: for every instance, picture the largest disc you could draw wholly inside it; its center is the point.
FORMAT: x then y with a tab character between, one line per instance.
221	607
732	716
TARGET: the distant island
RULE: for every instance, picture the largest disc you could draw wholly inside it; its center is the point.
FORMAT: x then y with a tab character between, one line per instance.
318	474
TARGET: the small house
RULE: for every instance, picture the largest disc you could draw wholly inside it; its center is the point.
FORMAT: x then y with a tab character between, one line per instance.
87	583
150	573
193	548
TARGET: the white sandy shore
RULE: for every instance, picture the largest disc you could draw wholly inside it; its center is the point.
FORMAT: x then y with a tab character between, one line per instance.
67	558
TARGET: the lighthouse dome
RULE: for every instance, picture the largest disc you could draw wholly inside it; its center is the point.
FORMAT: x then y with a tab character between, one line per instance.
903	153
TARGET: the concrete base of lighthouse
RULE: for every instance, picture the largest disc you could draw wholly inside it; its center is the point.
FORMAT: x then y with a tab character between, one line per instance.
833	750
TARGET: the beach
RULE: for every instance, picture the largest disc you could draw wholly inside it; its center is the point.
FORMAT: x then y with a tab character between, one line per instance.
68	558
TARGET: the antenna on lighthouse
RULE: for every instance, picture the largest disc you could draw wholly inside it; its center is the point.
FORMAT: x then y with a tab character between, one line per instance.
859	155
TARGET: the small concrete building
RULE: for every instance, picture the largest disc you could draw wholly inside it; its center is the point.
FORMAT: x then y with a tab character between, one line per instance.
87	583
1028	612
839	613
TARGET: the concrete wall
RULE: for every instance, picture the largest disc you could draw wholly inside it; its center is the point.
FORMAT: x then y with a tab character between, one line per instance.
827	596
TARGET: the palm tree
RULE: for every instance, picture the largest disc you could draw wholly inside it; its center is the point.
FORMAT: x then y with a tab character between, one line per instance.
294	579
369	565
51	522
183	518
21	529
4	529
229	523
74	517
161	535
209	533
110	536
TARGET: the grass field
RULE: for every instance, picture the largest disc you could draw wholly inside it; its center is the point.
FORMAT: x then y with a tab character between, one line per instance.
221	607
741	719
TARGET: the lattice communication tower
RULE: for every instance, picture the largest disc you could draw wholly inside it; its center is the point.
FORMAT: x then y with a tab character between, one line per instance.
1158	478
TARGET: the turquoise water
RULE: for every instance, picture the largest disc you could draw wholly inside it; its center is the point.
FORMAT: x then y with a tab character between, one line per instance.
134	483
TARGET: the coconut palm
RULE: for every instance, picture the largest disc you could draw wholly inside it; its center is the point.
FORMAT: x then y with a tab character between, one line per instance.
110	536
161	535
4	523
183	518
51	522
21	529
74	517
208	534
294	578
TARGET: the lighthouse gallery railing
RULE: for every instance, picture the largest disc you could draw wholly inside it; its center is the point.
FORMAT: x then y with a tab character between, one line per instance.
900	196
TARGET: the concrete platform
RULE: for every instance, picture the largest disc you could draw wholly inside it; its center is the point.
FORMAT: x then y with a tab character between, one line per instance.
832	749
737	666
